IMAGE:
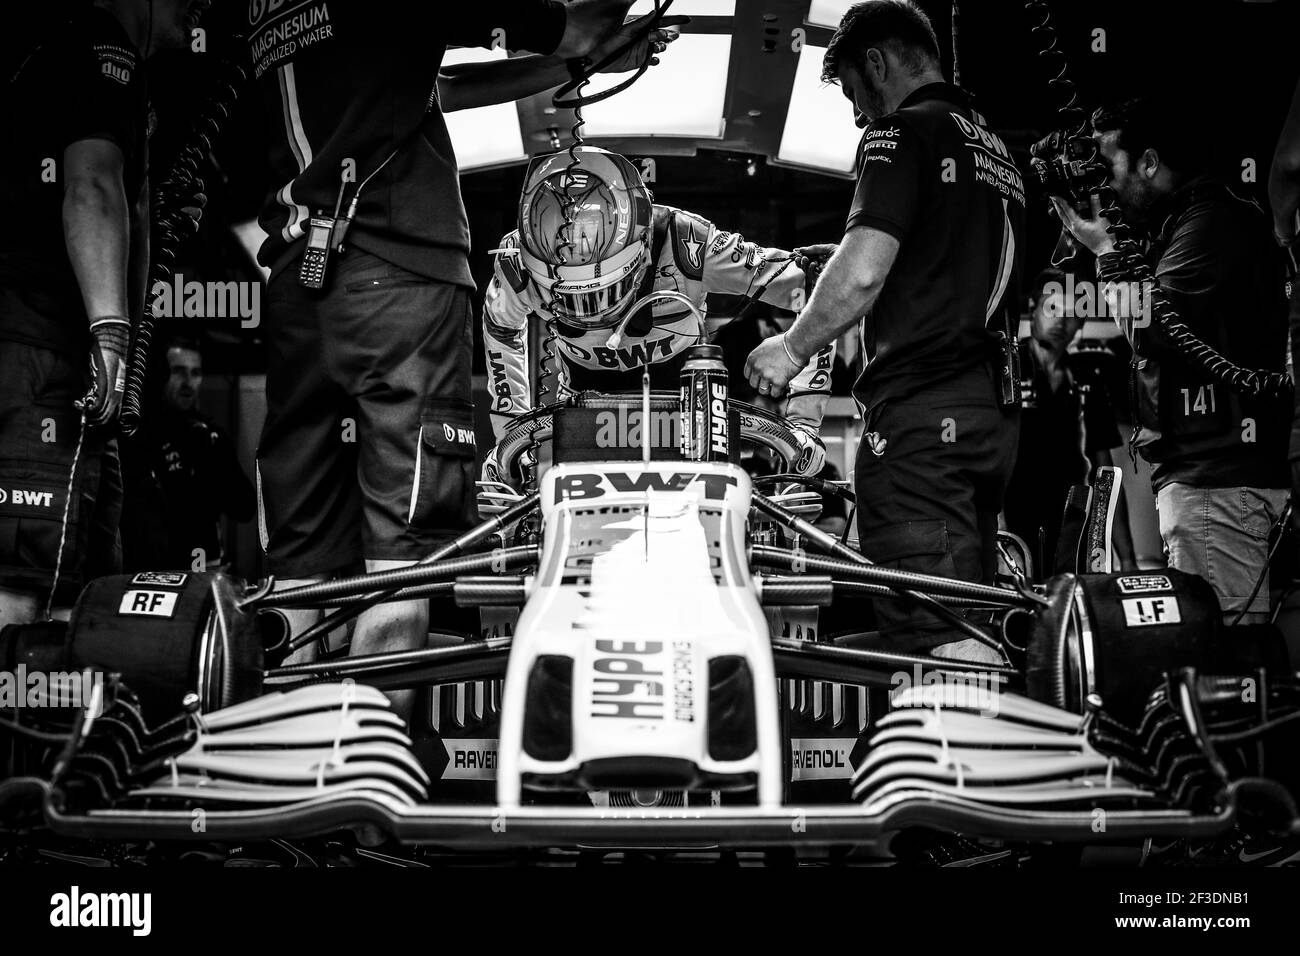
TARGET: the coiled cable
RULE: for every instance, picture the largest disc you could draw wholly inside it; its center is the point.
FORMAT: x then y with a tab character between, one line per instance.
173	226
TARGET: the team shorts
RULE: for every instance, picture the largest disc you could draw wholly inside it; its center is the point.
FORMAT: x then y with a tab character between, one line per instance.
40	430
368	450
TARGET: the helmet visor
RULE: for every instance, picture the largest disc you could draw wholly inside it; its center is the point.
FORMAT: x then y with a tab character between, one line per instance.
593	308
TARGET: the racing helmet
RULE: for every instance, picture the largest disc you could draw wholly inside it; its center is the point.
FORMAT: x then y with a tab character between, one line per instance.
588	272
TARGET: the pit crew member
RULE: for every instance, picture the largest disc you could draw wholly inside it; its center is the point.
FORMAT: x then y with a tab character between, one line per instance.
625	247
74	179
931	250
370	371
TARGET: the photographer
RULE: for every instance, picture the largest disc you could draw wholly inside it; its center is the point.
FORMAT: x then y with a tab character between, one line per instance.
1067	427
1218	457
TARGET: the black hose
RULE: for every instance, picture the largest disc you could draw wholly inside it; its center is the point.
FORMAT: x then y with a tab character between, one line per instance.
798	591
471	537
173	226
417	574
888	578
863	589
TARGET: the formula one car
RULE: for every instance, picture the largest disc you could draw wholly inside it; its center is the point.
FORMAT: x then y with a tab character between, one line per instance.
668	657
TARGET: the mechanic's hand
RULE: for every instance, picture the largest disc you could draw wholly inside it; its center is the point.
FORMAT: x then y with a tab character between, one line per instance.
590	23
656	41
1091	233
812	259
813	457
770	368
107	373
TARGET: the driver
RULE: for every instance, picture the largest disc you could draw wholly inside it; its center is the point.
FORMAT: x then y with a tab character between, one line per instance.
584	282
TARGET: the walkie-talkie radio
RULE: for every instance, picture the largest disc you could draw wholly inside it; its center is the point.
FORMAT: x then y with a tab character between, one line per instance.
316	256
1009	385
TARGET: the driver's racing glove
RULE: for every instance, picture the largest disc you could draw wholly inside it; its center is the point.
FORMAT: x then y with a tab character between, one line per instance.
495	493
812	458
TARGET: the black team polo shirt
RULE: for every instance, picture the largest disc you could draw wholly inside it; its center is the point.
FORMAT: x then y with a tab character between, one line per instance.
936	179
352	80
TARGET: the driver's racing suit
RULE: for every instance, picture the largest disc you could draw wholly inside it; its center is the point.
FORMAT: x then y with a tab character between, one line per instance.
689	255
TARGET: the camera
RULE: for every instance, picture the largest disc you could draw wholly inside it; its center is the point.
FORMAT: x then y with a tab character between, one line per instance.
1068	165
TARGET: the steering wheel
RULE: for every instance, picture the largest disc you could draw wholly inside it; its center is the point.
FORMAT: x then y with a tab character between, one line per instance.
757	426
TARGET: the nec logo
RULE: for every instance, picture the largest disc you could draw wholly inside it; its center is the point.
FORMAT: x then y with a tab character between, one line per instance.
22	496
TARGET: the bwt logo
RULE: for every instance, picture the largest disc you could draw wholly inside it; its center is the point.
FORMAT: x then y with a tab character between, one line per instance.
258	9
461	436
978	134
22	496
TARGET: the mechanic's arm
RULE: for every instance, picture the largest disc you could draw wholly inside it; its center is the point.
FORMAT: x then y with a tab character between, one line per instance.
886	202
96	225
97	234
571	29
1284	176
847	289
735	266
464	86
